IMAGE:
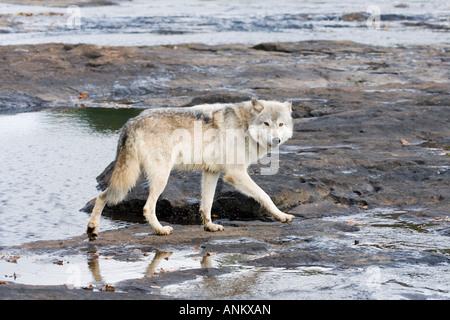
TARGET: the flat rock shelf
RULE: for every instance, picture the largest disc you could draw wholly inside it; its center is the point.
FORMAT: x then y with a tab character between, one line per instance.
366	173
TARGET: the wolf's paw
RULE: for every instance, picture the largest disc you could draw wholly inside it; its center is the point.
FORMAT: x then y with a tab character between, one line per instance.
283	217
164	231
288	218
213	227
92	232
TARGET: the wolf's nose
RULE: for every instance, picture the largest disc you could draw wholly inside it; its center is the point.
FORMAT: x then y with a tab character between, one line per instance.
276	141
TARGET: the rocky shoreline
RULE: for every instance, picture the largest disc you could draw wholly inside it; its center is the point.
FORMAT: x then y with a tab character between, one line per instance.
371	132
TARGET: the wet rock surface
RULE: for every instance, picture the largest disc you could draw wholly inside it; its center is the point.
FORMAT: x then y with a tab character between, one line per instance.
366	173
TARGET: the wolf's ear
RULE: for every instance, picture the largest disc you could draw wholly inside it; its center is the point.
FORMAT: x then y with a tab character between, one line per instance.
288	104
257	105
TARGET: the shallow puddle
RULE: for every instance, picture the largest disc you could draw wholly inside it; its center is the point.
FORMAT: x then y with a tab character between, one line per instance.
319	283
85	269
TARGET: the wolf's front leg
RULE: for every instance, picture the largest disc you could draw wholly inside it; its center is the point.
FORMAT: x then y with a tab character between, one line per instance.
241	180
209	183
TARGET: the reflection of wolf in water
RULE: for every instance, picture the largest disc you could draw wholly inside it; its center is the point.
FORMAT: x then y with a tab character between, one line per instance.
214	138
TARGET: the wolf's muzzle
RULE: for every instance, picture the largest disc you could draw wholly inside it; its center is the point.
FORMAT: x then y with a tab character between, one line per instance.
275	142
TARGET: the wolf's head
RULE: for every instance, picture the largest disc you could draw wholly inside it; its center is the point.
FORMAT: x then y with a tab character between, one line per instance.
270	122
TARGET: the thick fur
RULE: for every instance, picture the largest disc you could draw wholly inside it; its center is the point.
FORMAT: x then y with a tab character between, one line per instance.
213	138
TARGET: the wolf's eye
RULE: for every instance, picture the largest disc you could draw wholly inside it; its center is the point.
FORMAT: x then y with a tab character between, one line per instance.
281	124
266	123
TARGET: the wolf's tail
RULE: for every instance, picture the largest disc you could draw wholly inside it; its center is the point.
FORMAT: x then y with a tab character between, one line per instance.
126	170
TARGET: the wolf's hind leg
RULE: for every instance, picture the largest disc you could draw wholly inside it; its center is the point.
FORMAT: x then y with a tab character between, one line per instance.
242	181
209	183
158	181
92	229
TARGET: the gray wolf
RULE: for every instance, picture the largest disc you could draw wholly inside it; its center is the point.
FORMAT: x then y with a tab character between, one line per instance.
214	138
